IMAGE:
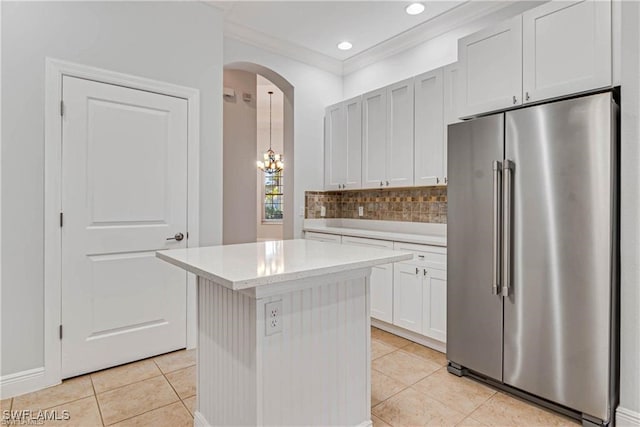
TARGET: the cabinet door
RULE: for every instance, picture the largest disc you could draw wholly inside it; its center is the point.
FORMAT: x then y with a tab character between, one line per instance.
566	48
451	105
434	316
399	152
428	125
407	296
374	138
353	128
382	292
491	68
335	147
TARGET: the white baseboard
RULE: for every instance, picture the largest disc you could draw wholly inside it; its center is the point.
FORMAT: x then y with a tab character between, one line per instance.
199	420
367	423
627	418
411	336
23	382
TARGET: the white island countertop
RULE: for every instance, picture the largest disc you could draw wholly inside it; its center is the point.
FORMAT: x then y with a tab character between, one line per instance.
251	265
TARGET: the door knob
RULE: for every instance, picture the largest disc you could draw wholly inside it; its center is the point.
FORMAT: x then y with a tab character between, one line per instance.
178	237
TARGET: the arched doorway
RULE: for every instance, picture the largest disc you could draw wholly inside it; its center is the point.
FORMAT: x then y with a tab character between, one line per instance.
243	215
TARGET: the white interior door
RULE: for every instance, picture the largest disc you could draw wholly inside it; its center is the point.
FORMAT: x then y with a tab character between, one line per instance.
124	192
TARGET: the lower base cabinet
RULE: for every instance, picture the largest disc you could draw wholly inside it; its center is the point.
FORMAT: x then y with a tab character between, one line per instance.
407	296
411	294
382	292
420	300
434	302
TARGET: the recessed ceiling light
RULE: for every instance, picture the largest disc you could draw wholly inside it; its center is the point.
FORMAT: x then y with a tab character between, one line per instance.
344	45
415	8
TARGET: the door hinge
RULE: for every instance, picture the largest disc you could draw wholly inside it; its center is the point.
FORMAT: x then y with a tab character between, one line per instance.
187	235
61	219
61	107
60	329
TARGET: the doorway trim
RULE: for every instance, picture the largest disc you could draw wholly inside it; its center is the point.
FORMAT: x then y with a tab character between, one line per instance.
55	70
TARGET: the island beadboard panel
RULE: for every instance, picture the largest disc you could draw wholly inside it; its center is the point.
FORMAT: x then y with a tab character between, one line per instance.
416	204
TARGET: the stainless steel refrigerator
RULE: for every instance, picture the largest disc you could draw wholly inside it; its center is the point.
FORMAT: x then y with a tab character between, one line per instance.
532	253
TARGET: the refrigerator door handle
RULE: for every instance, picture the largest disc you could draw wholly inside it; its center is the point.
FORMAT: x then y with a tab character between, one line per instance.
507	174
497	208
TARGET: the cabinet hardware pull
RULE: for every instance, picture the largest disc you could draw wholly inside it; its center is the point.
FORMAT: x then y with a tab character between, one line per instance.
425	271
417	270
437	180
387	183
515	100
527	96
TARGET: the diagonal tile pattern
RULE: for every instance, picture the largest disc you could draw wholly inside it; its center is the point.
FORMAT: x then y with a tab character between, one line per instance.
409	387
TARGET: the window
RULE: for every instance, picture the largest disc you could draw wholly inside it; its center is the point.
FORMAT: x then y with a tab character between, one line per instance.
273	193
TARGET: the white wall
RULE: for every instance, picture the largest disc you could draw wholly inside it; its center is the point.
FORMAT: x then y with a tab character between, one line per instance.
313	90
426	56
630	212
176	42
268	230
239	167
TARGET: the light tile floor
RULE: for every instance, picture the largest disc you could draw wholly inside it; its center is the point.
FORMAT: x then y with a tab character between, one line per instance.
409	387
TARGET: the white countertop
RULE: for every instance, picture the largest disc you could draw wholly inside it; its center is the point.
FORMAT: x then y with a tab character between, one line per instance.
251	265
423	234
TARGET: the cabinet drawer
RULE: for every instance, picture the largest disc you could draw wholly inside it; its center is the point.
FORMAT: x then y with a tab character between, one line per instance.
361	241
427	256
322	237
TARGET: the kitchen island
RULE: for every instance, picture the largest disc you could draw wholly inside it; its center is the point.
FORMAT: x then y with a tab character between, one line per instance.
283	332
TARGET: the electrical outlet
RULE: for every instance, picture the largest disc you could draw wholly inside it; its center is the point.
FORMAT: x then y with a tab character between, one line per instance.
273	317
323	211
360	211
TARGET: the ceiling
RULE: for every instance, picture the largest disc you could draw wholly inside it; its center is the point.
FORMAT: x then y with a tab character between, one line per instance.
320	25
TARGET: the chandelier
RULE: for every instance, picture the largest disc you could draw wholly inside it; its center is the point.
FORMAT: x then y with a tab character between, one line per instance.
272	162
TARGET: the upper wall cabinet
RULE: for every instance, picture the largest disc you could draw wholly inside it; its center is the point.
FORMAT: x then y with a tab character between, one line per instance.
400	139
343	145
566	48
430	154
491	68
374	138
559	48
451	104
387	136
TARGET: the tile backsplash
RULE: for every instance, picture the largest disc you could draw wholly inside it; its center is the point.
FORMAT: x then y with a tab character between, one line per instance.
415	204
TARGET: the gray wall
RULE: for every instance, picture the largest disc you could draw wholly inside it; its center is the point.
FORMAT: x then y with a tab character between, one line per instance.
176	42
630	210
239	147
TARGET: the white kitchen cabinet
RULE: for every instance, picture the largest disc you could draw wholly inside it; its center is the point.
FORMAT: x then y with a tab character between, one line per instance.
322	237
451	103
429	161
407	296
387	136
566	48
334	148
374	138
381	279
400	143
434	302
491	68
343	145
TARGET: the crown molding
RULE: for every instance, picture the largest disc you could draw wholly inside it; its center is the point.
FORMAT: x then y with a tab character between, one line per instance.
447	21
460	16
282	47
